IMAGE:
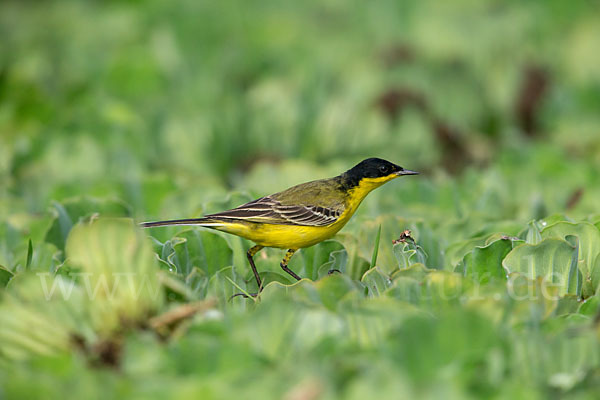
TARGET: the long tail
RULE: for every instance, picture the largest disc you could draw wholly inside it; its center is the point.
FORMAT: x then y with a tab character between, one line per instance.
208	222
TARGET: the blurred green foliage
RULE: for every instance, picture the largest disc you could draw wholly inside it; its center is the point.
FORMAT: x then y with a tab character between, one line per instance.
120	110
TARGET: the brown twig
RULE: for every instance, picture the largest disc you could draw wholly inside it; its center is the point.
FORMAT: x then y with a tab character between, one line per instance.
169	320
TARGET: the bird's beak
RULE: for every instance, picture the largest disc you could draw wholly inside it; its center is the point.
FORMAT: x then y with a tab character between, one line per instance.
406	172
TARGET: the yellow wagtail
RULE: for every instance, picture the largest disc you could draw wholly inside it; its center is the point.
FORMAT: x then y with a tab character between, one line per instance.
300	216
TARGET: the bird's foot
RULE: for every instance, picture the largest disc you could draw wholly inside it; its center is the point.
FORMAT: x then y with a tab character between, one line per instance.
332	271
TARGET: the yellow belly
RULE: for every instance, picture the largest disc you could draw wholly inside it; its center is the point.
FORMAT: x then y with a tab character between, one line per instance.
283	236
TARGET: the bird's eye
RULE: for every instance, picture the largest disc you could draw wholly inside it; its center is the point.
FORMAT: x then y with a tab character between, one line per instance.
383	169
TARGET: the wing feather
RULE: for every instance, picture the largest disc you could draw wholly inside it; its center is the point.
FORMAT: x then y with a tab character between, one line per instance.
270	211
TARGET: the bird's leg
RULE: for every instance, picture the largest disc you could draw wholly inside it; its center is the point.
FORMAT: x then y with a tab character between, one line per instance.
250	253
285	262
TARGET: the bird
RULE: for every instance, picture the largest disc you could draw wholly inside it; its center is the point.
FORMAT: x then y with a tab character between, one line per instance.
300	216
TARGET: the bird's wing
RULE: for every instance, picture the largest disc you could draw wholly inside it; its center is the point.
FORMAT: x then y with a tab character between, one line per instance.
268	210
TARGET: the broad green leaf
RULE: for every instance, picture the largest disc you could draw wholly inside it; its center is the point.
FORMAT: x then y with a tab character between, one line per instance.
119	271
408	253
589	243
70	212
40	314
220	286
416	271
205	250
457	251
591	306
485	263
553	219
432	245
442	289
567	304
588	234
405	289
167	252
368	323
45	258
356	265
375	282
197	282
532	300
281	277
554	260
316	256
455	336
338	262
316	327
271	328
31	226
532	234
365	238
332	288
176	289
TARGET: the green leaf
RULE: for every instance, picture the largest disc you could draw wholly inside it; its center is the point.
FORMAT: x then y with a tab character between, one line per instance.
271	276
589	244
551	259
338	261
314	257
176	289
431	242
376	248
199	248
591	306
332	288
376	282
40	315
567	304
5	276
220	287
443	289
553	219
405	289
71	211
415	271
29	255
241	291
44	257
595	275
485	263
532	234
356	265
457	251
408	253
119	270
408	284
360	244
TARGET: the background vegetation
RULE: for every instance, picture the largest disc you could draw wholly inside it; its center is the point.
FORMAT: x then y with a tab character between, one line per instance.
137	110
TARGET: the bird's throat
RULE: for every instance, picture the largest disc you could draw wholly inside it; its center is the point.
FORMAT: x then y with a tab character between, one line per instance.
357	193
